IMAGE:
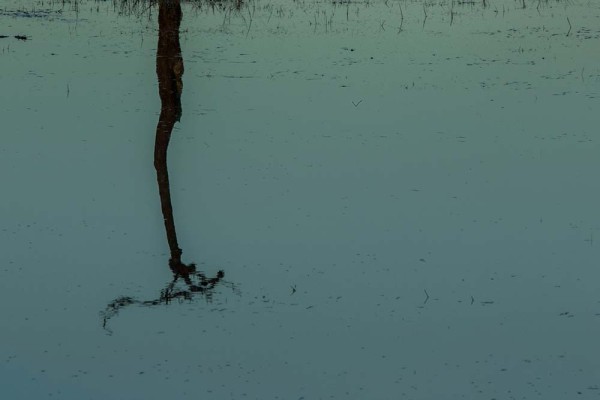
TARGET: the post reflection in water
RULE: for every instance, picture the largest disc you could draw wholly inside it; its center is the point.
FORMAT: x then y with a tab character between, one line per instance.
169	69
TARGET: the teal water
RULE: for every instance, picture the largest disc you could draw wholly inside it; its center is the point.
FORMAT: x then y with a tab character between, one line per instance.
402	199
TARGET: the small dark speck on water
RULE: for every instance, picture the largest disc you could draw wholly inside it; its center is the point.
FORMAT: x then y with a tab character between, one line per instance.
566	314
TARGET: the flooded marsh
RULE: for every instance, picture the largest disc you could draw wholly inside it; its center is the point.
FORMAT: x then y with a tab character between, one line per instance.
300	199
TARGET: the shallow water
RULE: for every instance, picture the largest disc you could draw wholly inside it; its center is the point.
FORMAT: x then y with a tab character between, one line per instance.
402	199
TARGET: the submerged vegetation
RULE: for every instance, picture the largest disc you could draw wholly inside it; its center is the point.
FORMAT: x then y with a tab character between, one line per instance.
326	13
330	16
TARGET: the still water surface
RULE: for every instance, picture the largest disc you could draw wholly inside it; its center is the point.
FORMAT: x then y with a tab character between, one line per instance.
300	200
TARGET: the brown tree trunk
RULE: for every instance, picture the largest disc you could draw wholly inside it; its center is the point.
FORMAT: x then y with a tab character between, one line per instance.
169	69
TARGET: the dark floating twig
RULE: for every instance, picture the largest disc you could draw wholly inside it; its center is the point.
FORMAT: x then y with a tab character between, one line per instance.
19	37
570	27
566	314
472	300
401	19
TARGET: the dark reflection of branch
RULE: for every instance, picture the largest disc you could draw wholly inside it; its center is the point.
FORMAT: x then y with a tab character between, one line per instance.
169	69
195	283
